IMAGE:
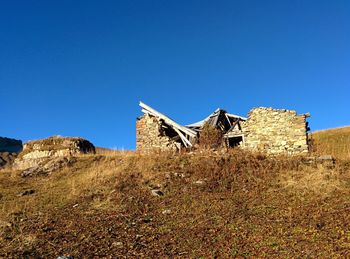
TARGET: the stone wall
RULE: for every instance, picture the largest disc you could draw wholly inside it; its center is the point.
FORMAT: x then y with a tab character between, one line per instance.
275	131
150	135
38	151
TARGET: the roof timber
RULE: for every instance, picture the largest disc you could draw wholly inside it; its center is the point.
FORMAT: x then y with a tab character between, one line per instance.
230	124
181	130
214	118
186	142
236	116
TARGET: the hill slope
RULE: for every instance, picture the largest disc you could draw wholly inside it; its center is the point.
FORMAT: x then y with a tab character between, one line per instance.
188	205
335	142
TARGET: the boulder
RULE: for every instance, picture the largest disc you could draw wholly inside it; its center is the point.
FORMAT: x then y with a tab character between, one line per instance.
36	153
6	159
48	166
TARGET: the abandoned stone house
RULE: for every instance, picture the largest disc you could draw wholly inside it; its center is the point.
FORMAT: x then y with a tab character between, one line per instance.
266	129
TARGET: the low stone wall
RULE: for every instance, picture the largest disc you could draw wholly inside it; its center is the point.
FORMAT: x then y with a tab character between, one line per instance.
38	151
275	131
150	136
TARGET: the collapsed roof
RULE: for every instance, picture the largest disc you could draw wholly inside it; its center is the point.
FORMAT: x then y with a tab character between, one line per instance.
228	123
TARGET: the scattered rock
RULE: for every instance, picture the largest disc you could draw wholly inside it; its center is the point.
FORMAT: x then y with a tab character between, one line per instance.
147	219
157	192
2	162
326	159
6	159
320	225
117	244
5	224
26	192
179	175
47	229
33	171
46	167
199	182
166	212
153	185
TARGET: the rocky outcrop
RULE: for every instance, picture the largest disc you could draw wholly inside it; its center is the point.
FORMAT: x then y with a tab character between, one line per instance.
10	145
276	131
37	153
6	159
46	167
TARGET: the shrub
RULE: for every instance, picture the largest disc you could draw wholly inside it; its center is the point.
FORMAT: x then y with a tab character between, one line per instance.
210	137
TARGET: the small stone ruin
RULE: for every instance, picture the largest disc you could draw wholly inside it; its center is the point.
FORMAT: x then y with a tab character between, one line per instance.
48	153
274	131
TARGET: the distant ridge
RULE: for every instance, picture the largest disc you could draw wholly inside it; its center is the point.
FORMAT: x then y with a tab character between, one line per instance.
10	145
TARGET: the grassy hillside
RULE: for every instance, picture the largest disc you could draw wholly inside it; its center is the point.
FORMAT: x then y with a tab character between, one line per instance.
335	142
209	205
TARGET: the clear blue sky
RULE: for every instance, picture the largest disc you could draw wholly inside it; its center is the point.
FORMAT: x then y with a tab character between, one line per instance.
79	68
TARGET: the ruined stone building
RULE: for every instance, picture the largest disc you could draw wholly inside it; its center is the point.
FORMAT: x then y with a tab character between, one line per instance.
266	129
38	152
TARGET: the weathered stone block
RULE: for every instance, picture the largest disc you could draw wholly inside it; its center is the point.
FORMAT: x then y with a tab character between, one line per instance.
37	151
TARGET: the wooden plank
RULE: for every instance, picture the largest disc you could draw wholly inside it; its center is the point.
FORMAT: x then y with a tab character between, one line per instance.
236	116
234	125
169	121
228	119
186	142
233	135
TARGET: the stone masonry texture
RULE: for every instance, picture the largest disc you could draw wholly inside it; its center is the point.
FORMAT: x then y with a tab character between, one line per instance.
151	137
38	151
275	131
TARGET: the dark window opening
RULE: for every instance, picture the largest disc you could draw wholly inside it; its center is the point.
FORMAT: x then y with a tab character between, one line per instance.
235	141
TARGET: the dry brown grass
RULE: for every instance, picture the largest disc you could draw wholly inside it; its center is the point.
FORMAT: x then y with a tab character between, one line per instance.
335	142
319	180
88	175
210	137
112	152
215	204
